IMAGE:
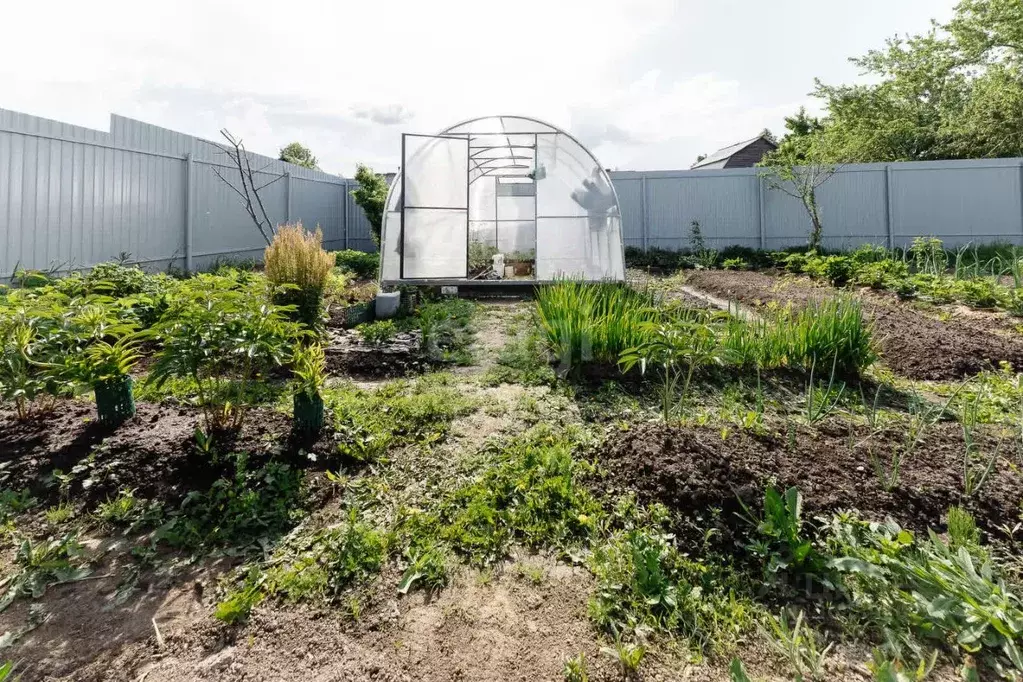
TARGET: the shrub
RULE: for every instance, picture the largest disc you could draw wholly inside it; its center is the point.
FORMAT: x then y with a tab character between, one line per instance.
734	264
223	335
297	263
359	263
591	322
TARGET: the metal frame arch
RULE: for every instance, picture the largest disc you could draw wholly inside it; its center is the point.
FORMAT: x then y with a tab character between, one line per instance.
396	183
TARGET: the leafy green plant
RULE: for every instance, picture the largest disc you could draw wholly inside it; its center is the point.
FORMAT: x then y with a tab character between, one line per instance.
737	671
534	493
887	670
904	586
929	255
377	333
628	657
224	335
481	256
822	402
120	510
962	530
734	264
677	350
798	645
309	367
781	545
574	669
360	264
238	604
429	566
448	329
241	511
40	564
975	473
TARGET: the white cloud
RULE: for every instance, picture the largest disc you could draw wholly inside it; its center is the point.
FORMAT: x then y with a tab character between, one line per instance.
346	78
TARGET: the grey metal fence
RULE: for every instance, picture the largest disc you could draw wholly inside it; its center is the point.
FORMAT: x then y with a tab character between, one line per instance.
71	197
958	201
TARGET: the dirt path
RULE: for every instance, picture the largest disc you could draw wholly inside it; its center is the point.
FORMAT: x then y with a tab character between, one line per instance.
912	344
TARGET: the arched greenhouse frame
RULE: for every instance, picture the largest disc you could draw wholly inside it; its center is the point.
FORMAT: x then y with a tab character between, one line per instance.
500	200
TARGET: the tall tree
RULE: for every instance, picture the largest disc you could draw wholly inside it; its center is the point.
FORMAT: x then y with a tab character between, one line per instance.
953	92
371	196
299	155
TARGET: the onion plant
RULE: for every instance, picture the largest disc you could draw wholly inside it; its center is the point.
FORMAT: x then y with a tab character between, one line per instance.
584	322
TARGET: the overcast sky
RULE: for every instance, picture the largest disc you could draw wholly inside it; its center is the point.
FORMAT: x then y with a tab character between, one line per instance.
647	84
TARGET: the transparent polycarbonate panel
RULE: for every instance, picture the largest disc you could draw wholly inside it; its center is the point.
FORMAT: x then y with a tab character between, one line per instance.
569	182
516	208
517	237
436	172
390	264
436	243
494	124
483	199
585	248
483	232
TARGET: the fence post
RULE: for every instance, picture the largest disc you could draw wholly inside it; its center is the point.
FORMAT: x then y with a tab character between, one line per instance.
644	213
188	212
761	228
1021	193
345	196
889	217
287	196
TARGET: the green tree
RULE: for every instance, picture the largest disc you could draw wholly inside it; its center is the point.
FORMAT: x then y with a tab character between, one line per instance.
371	196
299	155
953	92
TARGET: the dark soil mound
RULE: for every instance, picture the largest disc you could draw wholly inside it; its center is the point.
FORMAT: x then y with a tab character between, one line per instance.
153	453
692	470
912	344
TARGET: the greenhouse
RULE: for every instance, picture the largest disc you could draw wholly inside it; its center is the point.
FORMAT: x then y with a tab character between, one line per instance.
500	200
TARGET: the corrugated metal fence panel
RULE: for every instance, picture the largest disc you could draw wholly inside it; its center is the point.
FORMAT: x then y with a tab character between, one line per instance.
319	204
71	197
220	224
630	199
958	202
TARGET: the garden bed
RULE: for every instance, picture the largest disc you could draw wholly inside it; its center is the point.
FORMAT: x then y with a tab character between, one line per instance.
153	454
912	344
693	470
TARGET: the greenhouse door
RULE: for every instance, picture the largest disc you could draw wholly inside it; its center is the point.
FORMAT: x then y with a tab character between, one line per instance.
435	207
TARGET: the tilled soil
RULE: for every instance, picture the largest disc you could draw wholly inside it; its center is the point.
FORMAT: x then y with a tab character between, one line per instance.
912	344
153	453
692	470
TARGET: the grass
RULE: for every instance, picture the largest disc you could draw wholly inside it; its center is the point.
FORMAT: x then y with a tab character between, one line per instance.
368	423
533	493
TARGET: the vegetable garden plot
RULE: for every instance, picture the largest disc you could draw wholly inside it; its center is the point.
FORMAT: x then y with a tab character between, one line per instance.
911	343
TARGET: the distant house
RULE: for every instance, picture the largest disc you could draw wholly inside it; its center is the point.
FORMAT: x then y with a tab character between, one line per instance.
742	155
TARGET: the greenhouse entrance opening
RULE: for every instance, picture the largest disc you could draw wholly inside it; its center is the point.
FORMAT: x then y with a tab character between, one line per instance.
500	200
